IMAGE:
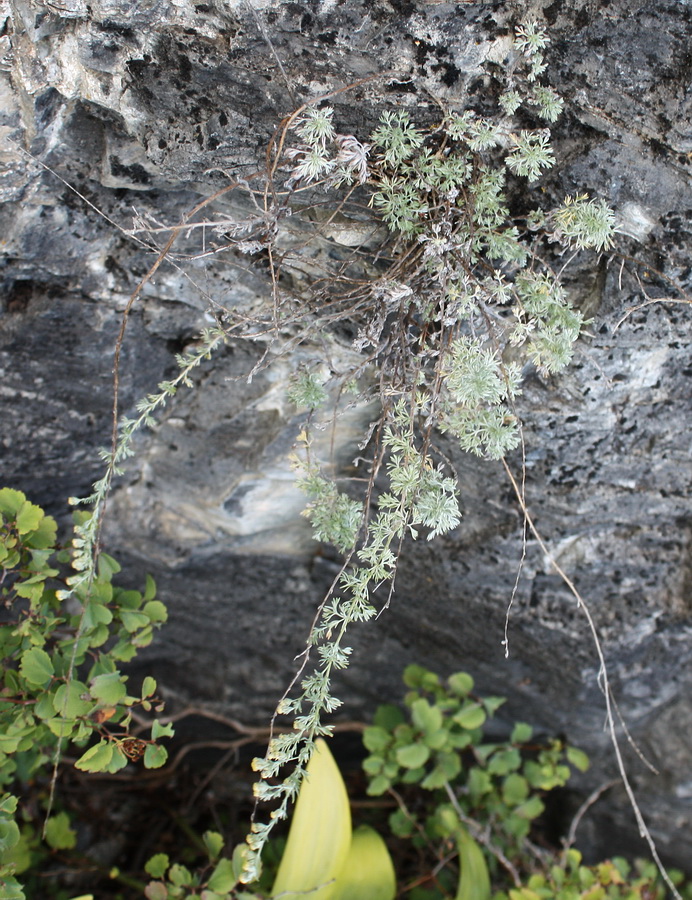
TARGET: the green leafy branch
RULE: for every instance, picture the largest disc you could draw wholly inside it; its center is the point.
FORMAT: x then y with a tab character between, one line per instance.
61	680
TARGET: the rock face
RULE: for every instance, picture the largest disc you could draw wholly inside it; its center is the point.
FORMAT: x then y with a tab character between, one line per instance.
116	112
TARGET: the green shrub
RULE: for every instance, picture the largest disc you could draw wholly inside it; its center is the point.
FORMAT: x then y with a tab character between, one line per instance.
61	682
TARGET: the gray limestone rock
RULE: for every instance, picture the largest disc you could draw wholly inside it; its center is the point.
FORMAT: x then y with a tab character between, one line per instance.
120	116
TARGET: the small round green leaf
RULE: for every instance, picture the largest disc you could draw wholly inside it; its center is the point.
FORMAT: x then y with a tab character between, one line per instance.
425	717
470	716
156	890
150	589
118	761
155	756
158	730
479	783
492	704
9	834
148	687
578	758
43	536
58	833
180	875
378	785
60	727
28	517
222	878
414	675
529	810
43	708
11	502
213	841
155	611
521	733
97	614
373	765
504	761
157	865
461	684
97	758
413	756
515	789
68	702
36	667
108	689
434	780
108	567
376	738
133	620
438	740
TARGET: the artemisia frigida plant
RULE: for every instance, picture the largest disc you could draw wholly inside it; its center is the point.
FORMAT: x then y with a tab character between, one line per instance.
449	297
456	289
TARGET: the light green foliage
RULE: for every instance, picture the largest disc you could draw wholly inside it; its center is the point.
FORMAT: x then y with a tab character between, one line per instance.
531	154
397	137
418	496
548	102
59	833
616	879
335	517
60	680
468	302
448	313
316	128
484	796
531	40
439	744
217	880
466	802
311	160
478	389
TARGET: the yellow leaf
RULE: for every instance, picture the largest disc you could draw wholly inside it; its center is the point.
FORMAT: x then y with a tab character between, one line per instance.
320	836
368	871
474	880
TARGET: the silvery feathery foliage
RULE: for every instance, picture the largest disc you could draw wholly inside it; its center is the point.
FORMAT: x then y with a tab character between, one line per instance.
418	495
324	153
585	224
306	390
531	155
352	158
